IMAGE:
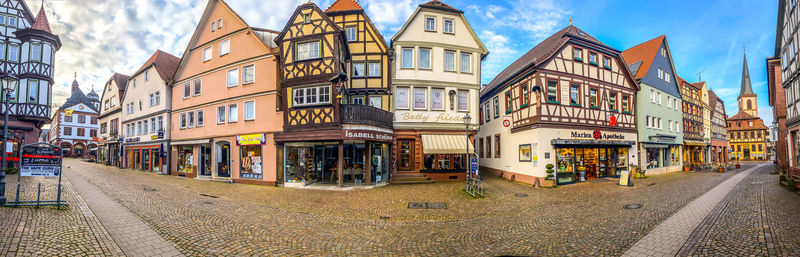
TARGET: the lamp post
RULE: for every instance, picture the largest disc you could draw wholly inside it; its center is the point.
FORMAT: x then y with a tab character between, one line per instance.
467	119
9	83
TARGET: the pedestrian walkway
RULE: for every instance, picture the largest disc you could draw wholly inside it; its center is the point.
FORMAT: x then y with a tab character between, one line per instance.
129	232
668	237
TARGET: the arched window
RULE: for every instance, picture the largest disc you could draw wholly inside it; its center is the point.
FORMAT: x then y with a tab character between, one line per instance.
749	104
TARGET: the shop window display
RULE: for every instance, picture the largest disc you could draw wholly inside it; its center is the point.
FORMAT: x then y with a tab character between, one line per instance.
251	161
444	162
156	160
185	160
300	163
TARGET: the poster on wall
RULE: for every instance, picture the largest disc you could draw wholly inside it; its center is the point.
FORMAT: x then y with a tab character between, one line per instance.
535	155
525	153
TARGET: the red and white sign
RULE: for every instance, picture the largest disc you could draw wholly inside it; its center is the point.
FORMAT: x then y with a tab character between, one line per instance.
506	123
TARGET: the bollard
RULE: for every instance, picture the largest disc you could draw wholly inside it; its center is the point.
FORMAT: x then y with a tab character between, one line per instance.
38	193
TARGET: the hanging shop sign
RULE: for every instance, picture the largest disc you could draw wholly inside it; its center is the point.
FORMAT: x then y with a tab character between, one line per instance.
252	139
40	160
367	135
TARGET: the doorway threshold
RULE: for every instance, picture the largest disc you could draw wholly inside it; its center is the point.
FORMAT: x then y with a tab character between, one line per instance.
331	186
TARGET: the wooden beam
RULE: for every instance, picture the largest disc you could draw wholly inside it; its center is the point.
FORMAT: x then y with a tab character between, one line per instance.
340	168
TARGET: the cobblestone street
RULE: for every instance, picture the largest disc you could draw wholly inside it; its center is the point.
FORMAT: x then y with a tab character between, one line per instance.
205	218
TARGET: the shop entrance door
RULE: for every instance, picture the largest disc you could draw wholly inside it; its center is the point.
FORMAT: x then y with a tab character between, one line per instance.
205	161
747	154
223	160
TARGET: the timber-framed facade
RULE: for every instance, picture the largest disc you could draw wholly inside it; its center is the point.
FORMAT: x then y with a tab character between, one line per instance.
573	107
329	135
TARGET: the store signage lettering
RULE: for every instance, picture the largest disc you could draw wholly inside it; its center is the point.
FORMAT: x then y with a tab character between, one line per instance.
252	139
597	135
367	135
160	135
430	117
132	139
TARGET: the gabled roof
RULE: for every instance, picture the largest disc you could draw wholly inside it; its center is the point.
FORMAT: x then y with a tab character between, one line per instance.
41	22
699	85
198	29
343	5
543	51
436	4
120	79
644	52
165	65
314	7
742	116
712	100
481	46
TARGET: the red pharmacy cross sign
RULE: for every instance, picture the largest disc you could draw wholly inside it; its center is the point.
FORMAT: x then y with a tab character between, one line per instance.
612	121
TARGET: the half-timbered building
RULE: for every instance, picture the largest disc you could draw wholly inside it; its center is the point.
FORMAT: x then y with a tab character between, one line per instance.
570	102
436	81
786	40
331	134
108	151
747	132
27	53
693	144
719	131
659	106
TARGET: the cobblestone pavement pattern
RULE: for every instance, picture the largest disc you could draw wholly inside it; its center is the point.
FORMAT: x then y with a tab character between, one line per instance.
757	218
668	237
204	218
46	231
131	234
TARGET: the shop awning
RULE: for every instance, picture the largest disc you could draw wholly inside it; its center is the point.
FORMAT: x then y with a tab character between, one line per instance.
191	142
445	144
655	146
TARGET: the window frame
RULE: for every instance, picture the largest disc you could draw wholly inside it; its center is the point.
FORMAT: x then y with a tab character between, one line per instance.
208	54
461	62
232	118
430	58
452	26
182	122
577	50
226	42
596	57
200	121
224	116
309	43
414	98
403	57
228	77
433	26
251	66
442	97
408	102
596	102
253	105
444	61
355	33
194	85
466	101
353	70
579	94
369	69
558	90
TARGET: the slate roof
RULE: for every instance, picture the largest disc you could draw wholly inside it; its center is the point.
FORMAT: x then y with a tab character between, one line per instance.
41	22
541	53
77	97
121	80
747	88
165	64
436	4
343	5
712	100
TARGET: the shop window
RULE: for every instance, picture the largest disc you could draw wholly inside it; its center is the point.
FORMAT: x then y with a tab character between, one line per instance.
251	166
406	154
185	160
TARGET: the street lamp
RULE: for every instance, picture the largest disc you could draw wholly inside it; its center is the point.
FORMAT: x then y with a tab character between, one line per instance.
9	83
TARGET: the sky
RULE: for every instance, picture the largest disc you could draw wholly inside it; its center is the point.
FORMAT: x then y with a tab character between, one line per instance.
707	38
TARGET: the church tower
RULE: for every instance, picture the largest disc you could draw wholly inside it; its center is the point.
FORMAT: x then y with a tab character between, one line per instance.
747	98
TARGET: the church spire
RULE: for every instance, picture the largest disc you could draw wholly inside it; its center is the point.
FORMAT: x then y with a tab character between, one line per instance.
747	88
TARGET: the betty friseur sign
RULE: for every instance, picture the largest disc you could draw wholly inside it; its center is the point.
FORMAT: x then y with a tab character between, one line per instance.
40	160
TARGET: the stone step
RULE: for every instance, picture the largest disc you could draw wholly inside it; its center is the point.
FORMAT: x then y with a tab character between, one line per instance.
222	179
410	182
408	175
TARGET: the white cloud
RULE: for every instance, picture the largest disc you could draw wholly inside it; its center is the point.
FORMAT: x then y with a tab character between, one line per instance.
501	53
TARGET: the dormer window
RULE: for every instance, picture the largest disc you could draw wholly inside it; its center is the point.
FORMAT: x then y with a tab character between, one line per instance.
430	24
448	26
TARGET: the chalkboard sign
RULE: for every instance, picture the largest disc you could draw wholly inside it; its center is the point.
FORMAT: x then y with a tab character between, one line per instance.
40	160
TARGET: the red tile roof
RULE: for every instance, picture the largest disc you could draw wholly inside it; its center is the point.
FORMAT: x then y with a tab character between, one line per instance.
41	22
344	5
165	63
644	52
439	5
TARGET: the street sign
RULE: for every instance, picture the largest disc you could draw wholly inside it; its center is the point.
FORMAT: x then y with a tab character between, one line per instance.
473	165
40	160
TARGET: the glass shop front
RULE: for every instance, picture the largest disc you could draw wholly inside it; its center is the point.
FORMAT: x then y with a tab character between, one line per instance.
144	158
582	163
317	162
